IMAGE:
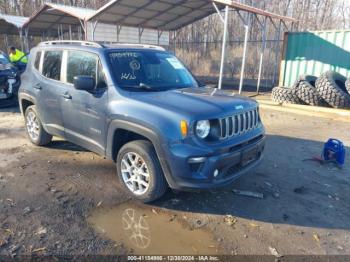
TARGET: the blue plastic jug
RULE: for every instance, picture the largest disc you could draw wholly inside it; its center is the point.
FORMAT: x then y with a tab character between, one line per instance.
334	150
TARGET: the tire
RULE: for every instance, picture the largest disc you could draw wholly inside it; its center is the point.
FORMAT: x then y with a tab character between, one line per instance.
35	131
347	85
303	78
144	152
308	93
331	87
285	95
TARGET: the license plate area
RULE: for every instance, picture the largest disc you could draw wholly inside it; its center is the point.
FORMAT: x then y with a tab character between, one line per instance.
249	156
3	95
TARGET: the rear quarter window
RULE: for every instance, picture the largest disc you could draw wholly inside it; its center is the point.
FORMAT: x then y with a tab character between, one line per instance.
37	60
52	64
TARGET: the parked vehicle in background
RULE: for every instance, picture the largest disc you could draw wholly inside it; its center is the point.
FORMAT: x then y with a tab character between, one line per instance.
9	82
139	106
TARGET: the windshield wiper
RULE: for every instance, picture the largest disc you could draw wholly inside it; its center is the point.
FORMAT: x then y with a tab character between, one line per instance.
145	86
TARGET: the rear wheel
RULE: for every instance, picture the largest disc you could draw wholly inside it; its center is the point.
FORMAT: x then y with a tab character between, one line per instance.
140	172
34	127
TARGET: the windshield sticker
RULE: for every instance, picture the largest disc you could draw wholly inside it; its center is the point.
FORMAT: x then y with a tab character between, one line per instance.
175	63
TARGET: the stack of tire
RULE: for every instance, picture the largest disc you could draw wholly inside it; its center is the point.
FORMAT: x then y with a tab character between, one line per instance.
331	89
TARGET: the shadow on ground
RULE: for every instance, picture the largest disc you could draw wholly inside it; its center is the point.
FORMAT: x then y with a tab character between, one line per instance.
296	192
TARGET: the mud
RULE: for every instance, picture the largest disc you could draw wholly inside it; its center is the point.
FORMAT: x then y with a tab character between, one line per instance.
59	199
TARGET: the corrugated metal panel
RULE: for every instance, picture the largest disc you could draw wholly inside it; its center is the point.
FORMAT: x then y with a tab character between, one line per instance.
17	21
315	53
108	33
9	24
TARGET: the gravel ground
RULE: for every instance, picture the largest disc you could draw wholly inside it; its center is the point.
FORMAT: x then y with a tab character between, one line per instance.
48	194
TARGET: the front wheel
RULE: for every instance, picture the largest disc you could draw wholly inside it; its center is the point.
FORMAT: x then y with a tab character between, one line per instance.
140	172
34	127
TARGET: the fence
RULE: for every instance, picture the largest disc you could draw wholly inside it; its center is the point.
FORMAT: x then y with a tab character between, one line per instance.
203	58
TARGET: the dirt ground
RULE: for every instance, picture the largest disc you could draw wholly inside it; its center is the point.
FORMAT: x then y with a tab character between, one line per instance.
64	200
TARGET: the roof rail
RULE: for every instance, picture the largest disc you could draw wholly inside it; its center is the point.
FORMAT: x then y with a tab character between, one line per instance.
137	45
65	42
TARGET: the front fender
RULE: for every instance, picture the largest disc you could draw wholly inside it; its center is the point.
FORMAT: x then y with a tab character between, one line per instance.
152	135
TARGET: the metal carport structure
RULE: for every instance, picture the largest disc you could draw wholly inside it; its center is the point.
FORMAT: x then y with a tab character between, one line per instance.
12	25
171	15
54	20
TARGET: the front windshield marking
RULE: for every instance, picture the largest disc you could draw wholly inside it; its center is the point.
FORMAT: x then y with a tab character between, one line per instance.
150	70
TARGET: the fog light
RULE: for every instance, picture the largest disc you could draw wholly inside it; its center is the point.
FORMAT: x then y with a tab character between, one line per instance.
195	160
216	173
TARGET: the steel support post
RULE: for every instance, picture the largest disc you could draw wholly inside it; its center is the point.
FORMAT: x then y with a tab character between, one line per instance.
70	33
263	47
6	42
224	40
93	29
140	34
26	33
246	35
277	53
21	37
119	29
159	36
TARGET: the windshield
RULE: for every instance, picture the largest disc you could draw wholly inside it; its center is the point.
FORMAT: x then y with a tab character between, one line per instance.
149	70
3	59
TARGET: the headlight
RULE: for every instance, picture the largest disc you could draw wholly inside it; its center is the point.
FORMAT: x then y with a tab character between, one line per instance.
203	128
13	74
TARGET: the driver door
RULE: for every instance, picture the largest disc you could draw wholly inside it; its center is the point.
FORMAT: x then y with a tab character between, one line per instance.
84	112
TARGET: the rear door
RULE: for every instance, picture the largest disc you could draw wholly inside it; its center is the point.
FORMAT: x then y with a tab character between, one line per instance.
48	87
84	113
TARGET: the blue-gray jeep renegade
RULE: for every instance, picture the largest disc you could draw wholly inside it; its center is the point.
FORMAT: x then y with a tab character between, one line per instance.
141	107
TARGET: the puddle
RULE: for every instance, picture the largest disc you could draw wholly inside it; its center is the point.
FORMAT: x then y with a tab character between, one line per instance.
149	231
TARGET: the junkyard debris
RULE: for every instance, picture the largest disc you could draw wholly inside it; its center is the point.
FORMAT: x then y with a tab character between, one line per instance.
248	193
274	252
41	231
39	250
316	237
230	220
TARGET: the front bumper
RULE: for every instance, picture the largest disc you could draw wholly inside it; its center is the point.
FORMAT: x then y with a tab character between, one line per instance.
216	170
9	89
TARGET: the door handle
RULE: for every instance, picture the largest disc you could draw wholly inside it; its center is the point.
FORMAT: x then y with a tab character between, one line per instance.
37	87
66	96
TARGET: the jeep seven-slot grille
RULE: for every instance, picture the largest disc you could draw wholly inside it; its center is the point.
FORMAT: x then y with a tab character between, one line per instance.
239	124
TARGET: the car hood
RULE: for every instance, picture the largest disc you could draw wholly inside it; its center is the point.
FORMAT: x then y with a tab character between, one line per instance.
7	69
203	103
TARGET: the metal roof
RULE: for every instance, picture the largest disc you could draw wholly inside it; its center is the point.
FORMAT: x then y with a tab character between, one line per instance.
9	24
167	14
51	16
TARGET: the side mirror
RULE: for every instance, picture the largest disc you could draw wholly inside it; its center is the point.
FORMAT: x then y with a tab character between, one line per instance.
86	83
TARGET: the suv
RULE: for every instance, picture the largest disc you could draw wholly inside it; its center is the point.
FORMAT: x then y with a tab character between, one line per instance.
139	106
9	82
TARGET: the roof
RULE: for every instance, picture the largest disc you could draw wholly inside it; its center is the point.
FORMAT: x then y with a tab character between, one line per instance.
84	44
167	15
11	23
51	16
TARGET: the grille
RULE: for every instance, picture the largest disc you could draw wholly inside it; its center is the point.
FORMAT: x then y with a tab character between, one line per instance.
239	124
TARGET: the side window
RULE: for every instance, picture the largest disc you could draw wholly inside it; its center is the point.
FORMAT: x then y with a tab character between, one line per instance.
101	78
37	60
81	63
52	64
